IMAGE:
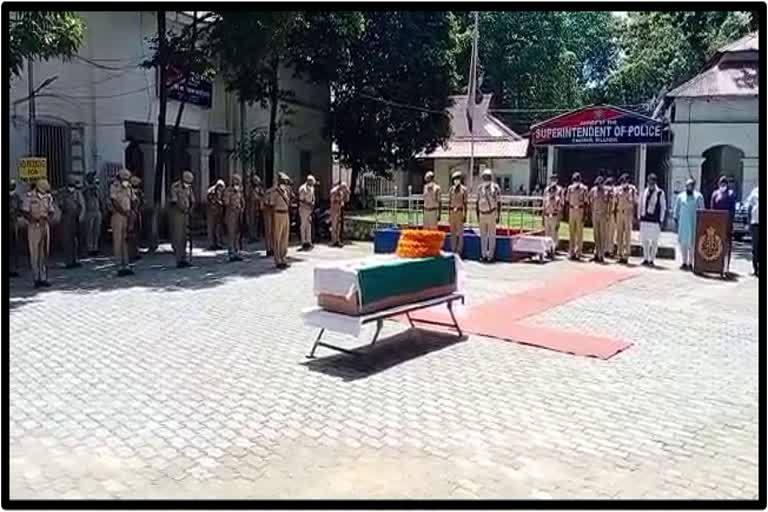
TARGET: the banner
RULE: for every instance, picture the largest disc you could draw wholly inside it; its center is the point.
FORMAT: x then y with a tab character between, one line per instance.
598	125
33	169
713	241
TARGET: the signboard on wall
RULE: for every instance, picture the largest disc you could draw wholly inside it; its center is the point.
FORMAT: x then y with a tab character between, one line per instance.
196	91
33	169
598	125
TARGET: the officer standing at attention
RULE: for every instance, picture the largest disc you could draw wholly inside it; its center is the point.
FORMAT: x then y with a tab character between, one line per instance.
182	202
552	210
14	212
267	216
39	210
280	199
599	203
93	215
306	208
253	198
431	201
215	214
72	209
135	220
121	197
234	203
457	216
610	225
576	196
338	198
488	212
626	200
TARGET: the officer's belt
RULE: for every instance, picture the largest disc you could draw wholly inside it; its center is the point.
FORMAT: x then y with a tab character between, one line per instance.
551	214
489	211
39	221
432	209
457	208
281	211
576	207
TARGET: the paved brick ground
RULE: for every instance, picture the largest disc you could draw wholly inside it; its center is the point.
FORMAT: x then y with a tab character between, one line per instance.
193	383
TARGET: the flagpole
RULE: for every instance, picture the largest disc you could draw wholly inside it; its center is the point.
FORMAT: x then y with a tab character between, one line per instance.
471	94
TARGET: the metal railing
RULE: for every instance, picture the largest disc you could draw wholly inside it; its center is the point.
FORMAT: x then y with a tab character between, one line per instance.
520	212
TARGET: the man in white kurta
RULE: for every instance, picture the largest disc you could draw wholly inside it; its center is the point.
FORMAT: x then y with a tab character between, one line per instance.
684	212
652	212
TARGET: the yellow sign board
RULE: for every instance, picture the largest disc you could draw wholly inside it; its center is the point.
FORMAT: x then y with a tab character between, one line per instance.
33	169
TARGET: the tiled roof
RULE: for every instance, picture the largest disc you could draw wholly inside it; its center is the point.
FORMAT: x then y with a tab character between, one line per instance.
483	149
749	42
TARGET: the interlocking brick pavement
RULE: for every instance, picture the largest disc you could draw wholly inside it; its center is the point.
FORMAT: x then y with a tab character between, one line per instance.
193	383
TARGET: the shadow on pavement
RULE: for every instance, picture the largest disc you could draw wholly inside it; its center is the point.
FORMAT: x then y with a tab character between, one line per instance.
385	354
156	272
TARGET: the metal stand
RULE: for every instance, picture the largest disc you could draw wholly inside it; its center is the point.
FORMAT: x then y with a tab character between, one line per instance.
406	310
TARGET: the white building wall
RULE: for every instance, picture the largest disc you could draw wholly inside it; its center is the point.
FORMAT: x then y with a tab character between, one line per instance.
516	169
104	99
714	122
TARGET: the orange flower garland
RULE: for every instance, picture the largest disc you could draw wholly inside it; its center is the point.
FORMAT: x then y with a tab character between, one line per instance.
420	243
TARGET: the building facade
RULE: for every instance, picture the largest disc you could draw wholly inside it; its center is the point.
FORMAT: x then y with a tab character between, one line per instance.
98	112
714	118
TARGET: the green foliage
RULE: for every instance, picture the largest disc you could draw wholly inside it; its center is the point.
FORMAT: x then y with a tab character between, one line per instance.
663	49
43	35
250	150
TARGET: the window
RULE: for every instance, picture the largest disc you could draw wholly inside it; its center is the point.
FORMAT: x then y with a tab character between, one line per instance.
506	183
305	163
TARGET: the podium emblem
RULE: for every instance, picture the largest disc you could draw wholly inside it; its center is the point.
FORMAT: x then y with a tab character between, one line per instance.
710	246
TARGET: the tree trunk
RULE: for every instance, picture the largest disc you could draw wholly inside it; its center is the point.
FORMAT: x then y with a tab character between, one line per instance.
274	99
159	158
353	181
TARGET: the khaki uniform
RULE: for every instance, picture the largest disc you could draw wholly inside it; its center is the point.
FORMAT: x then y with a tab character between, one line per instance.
121	198
71	204
626	199
431	205
552	210
14	211
215	216
234	203
38	208
599	203
267	216
93	217
135	223
576	196
488	197
610	240
254	195
457	215
182	201
306	207
280	199
338	198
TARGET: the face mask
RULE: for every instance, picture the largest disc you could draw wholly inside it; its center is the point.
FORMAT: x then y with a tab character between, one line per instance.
723	188
126	184
689	191
455	182
71	189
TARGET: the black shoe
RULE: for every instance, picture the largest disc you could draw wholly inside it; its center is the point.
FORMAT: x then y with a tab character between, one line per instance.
93	253
14	274
36	284
45	284
123	272
235	257
269	254
183	264
73	265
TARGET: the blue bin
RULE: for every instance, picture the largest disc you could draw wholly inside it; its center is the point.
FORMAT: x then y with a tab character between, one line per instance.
471	246
385	241
503	248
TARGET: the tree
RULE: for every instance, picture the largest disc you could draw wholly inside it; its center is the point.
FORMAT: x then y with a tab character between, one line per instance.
391	88
660	50
43	35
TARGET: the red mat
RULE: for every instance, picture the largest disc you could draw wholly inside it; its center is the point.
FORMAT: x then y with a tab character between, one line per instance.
500	318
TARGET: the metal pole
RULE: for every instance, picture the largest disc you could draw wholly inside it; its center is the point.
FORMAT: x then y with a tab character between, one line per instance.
32	110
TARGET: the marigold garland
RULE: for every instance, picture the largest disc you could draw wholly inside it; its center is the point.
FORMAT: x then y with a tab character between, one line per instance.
420	243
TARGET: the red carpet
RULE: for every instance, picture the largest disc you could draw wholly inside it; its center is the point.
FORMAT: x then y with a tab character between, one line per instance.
500	318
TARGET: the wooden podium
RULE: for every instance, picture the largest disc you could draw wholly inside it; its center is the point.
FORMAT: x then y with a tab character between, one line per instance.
713	242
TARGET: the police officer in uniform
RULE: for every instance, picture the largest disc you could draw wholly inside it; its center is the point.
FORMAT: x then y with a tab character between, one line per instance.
93	213
39	210
14	212
72	209
626	200
254	195
610	230
215	214
599	203
234	203
576	196
182	202
552	211
457	216
431	201
339	194
488	213
267	217
280	199
306	208
121	197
